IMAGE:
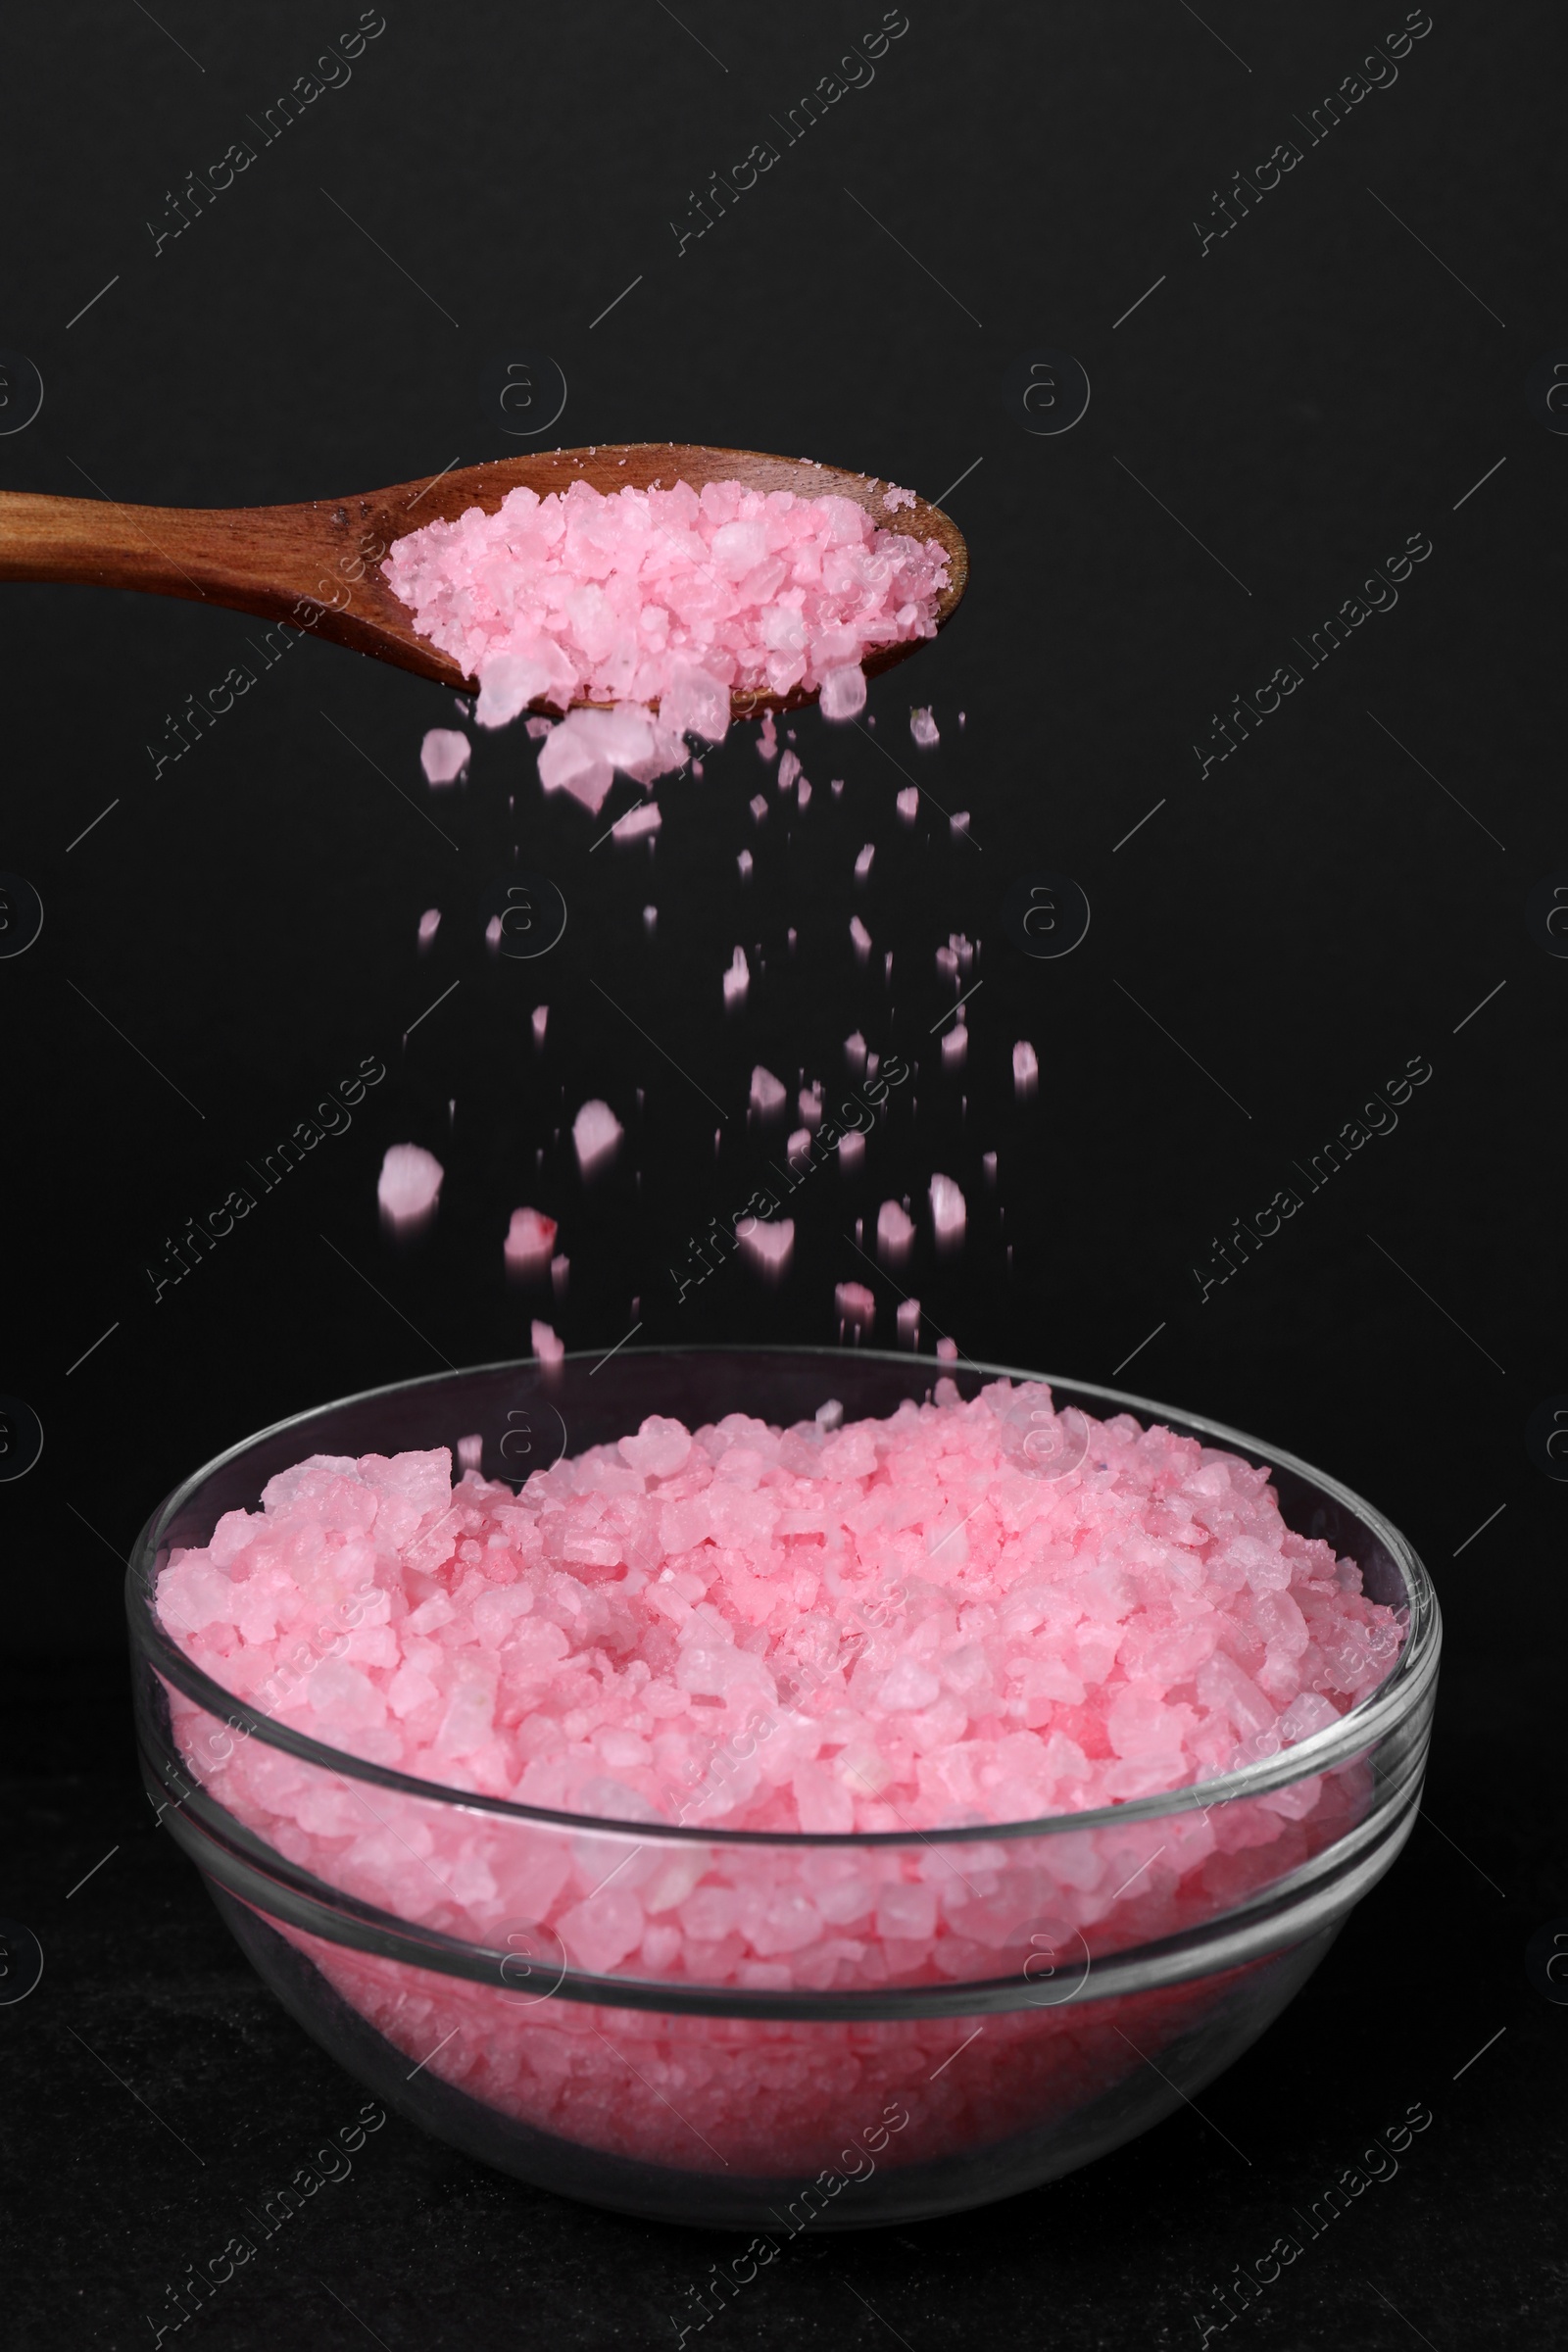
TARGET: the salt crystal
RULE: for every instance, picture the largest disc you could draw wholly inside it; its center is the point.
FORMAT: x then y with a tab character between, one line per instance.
427	925
538	1018
745	862
409	1185
959	822
493	934
893	498
637	823
538	729
948	1351
798	1151
694	703
909	1322
855	1305
954	1045
530	1239
923	727
987	1160
650	920
852	1152
808	1106
768	1243
803	793
595	1133
738	979
863	863
444	754
1025	1070
789	767
759	806
768	740
836	787
768	1093
948	1212
908	803
855	1053
895	1233
509	685
843	694
862	938
547	1348
559	1274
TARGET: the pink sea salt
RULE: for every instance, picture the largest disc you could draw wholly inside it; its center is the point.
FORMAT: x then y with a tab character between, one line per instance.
843	694
767	738
409	1185
855	1307
768	1093
908	803
428	923
863	863
530	1240
789	767
948	1212
1025	1070
549	1350
923	727
649	593
895	1233
907	1320
860	938
537	1020
638	823
738	979
444	754
596	1135
854	1053
767	1244
955	1045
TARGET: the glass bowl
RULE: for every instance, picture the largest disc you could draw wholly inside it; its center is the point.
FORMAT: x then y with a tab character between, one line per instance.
1098	1967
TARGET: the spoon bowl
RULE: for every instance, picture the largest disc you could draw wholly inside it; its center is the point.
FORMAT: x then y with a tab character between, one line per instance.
318	565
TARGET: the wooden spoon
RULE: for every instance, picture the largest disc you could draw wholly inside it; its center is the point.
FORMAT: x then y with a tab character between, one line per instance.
318	566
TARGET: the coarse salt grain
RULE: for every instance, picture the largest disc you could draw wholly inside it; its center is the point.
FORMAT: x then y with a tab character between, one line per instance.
908	803
596	1135
1025	1070
907	1319
768	1093
428	923
409	1185
855	1307
537	1020
923	727
444	754
948	1212
895	1233
860	937
767	1244
549	1350
530	1239
954	1045
863	863
738	978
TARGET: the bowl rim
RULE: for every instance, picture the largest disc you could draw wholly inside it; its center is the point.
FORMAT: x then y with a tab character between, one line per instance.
1392	1703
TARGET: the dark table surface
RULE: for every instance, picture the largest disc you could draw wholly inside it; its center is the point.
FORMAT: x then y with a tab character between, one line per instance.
1291	379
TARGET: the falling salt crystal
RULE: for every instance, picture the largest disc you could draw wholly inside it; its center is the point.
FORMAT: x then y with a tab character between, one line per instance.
955	1046
859	1232
830	1415
789	767
804	794
596	1132
768	1093
895	1233
908	803
530	1239
650	919
790	936
538	729
745	862
923	727
767	1244
836	787
959	823
843	692
863	863
948	1349
444	754
854	1304
960	718
471	1453
855	1053
492	933
427	925
1025	1070
909	1322
697	768
541	1015
987	1160
947	963
560	1269
962	949
547	1348
464	706
644	819
768	741
886	968
798	1151
948	1212
759	806
852	1152
809	1107
862	938
408	1184
738	979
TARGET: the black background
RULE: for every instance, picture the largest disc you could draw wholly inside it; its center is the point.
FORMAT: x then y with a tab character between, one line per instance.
1344	893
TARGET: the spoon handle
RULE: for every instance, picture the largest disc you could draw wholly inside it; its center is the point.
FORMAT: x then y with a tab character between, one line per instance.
258	560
